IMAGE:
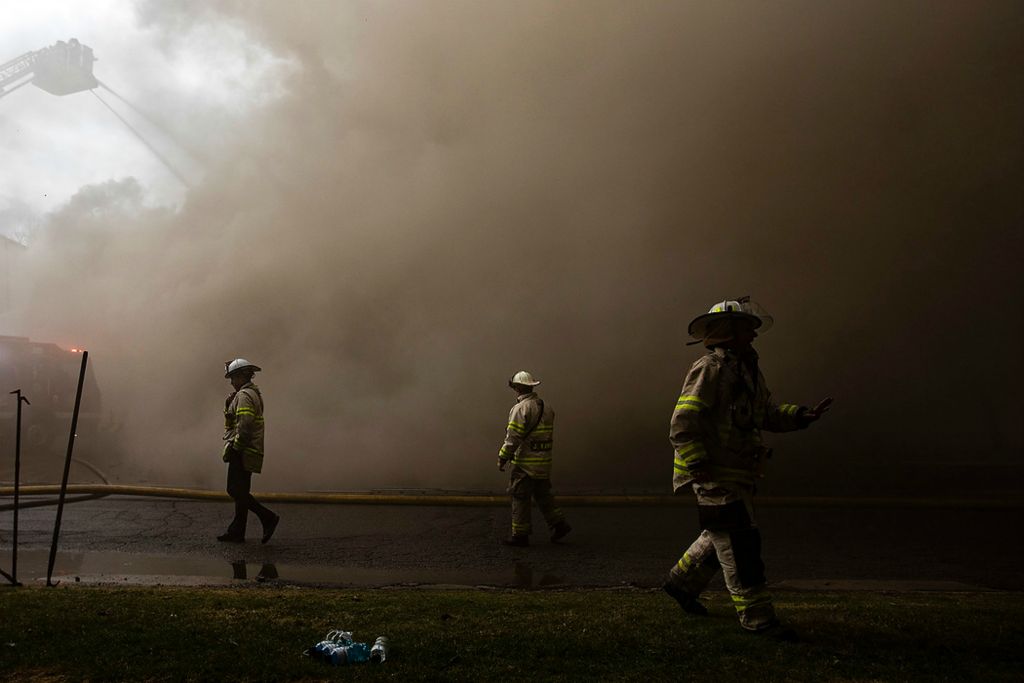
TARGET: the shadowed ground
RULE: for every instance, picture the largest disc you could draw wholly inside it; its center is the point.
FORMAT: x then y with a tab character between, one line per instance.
112	539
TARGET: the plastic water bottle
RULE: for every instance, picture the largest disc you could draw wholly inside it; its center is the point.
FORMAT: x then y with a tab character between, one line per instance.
357	653
379	651
338	655
325	649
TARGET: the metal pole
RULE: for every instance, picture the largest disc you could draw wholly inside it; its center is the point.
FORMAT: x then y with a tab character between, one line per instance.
17	484
13	577
67	470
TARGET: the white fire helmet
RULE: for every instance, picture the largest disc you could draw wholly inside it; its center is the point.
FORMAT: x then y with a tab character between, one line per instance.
742	308
524	378
231	367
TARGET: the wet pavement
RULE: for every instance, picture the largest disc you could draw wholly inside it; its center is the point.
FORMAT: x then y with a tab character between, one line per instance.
146	541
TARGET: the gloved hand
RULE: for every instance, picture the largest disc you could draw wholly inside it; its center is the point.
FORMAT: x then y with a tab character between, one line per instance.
502	464
813	414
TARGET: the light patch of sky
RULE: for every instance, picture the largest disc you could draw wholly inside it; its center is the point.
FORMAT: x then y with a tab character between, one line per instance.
190	89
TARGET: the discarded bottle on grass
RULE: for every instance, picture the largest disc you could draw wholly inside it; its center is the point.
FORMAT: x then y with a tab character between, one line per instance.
357	653
338	656
339	649
325	649
379	651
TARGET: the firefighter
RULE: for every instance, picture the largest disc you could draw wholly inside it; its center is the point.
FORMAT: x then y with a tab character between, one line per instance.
716	434
528	441
243	450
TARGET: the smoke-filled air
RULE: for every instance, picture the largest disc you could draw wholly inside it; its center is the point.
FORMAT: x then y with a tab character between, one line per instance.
419	199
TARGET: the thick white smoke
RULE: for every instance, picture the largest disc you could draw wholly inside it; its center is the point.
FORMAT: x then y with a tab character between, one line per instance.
449	192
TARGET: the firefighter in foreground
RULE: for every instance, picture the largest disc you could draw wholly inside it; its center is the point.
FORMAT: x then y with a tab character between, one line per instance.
716	433
527	446
243	450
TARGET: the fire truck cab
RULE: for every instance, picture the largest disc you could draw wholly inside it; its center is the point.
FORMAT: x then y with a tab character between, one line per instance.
48	377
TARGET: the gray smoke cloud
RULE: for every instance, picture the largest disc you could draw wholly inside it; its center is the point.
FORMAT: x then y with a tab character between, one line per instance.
450	192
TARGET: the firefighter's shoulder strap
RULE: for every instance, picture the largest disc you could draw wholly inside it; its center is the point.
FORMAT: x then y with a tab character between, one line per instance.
536	423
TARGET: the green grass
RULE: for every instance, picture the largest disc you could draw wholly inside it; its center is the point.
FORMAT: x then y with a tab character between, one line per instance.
258	633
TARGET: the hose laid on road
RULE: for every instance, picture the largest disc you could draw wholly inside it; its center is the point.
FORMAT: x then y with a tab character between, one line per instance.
495	500
9	491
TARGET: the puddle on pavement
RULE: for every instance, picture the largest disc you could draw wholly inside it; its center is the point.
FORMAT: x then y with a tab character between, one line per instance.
137	569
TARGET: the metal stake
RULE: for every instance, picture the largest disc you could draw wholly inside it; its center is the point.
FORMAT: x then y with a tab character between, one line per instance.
13	576
67	470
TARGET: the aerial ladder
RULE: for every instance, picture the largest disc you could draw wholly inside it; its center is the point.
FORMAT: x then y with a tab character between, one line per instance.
65	68
60	69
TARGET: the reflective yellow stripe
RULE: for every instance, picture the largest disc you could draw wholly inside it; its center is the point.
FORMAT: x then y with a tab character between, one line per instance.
692	447
685	562
742	604
694	400
245	411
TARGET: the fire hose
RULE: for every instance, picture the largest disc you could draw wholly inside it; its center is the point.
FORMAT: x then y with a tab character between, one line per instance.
93	491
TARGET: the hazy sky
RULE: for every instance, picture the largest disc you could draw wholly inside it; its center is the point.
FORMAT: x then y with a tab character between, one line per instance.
394	206
209	71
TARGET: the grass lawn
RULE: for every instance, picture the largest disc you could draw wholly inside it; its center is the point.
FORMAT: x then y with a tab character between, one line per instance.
259	633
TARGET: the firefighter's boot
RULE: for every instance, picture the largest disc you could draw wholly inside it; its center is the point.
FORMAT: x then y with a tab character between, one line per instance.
689	603
518	540
560	531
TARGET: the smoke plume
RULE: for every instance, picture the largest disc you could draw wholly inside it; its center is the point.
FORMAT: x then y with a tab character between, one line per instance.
449	192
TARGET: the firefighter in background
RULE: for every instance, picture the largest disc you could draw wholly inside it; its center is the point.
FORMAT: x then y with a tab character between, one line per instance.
528	443
243	450
716	433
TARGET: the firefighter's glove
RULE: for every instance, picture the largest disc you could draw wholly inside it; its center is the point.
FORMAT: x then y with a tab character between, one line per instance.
502	464
228	451
810	415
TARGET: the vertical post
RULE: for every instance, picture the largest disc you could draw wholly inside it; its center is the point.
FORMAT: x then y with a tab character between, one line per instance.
13	577
17	485
67	470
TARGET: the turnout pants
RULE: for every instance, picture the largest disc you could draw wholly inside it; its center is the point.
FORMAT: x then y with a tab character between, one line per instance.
239	485
522	487
729	540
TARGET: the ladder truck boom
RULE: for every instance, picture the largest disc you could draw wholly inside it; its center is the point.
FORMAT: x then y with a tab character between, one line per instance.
60	69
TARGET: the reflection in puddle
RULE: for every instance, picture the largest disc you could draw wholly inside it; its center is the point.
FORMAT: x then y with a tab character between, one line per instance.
267	571
139	569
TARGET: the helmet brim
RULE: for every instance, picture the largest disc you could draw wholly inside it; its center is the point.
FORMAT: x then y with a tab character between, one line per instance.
254	368
698	326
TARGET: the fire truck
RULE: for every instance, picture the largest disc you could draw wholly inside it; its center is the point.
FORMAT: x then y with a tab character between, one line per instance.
48	376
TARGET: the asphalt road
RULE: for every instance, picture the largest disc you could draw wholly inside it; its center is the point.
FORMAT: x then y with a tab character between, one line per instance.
147	540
